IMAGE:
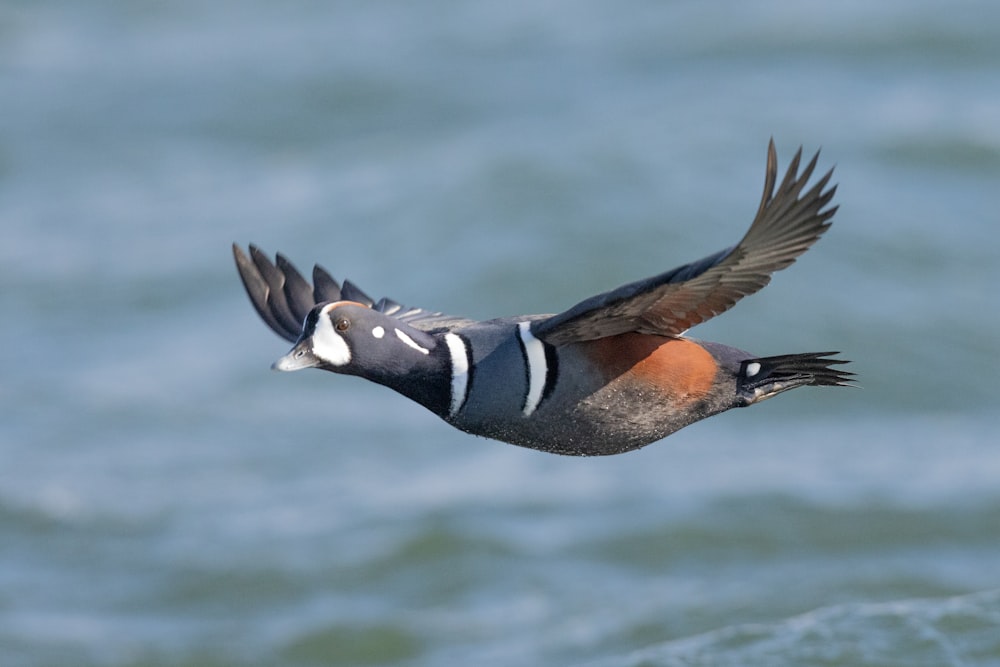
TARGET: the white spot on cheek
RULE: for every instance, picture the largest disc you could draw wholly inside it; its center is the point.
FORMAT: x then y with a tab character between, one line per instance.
412	343
378	332
752	369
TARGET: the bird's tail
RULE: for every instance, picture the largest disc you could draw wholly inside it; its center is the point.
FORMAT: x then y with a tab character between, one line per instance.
764	377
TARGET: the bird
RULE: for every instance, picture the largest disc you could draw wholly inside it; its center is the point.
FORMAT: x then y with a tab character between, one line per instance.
611	374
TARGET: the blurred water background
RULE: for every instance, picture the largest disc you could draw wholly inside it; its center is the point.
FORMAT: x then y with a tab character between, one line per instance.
167	500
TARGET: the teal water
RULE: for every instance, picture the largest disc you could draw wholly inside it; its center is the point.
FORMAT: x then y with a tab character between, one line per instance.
167	500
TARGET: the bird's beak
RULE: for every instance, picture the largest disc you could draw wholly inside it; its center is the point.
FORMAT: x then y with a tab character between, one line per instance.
299	357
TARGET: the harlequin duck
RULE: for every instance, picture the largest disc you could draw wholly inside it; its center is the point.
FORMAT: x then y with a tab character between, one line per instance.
613	373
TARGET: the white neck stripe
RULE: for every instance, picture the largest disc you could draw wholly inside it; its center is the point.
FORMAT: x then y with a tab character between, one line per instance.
459	352
538	368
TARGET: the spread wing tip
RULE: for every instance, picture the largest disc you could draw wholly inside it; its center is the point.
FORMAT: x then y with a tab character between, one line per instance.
278	292
788	222
790	218
283	298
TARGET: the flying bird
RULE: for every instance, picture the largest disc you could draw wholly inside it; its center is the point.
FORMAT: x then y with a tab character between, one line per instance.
612	374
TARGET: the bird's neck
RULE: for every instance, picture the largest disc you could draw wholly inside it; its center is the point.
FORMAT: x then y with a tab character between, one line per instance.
424	378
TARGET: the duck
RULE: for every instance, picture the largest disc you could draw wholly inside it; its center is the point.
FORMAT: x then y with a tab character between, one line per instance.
611	374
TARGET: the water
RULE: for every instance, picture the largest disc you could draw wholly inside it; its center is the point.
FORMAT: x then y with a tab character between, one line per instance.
166	500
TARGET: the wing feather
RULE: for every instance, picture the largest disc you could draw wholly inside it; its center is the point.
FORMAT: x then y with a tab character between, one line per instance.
786	225
283	297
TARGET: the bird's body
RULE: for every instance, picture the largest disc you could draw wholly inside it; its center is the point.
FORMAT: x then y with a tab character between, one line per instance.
609	375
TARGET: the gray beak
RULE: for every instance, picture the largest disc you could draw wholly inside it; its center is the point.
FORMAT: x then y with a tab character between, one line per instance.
299	357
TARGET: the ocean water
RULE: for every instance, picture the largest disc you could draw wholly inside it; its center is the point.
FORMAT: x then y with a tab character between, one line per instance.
167	500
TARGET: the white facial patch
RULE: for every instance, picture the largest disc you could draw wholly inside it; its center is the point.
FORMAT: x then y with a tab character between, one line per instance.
378	332
538	368
412	343
459	372
327	344
752	369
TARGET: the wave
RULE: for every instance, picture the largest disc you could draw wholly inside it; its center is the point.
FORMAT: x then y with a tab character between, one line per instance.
958	631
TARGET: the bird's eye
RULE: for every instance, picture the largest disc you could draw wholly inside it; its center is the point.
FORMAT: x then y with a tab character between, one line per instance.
342	324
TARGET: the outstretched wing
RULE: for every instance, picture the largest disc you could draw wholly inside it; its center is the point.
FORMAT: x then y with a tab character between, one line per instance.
787	224
283	297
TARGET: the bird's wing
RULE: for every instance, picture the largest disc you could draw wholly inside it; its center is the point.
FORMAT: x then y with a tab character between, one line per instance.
787	223
283	297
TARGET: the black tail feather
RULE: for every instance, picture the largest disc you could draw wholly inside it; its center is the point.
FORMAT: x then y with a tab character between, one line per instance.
764	377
